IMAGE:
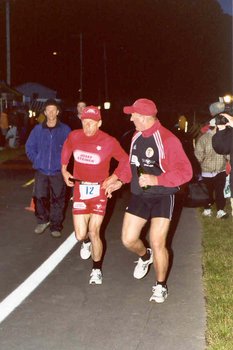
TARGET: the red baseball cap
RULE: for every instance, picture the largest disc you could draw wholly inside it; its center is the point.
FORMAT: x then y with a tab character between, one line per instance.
91	112
142	106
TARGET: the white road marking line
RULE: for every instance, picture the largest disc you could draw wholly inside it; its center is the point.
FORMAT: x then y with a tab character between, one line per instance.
29	183
29	285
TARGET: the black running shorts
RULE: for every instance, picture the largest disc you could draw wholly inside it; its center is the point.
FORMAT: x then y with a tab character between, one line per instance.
152	207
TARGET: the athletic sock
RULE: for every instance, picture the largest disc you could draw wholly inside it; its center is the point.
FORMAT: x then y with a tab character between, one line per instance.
162	283
97	264
146	256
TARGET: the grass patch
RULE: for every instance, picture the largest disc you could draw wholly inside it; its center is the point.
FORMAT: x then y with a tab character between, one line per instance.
218	280
11	153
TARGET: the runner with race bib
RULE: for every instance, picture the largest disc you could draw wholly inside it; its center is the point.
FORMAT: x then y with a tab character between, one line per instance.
93	150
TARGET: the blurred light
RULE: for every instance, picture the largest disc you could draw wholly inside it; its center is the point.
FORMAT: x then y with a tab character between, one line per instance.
107	105
55	53
31	113
182	122
227	98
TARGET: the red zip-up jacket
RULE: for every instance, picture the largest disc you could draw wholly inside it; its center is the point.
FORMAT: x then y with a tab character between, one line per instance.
160	153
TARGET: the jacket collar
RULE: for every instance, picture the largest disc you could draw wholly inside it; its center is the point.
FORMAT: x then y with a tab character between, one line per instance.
152	129
45	126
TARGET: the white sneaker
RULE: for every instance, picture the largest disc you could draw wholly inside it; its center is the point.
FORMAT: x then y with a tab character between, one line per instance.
160	293
142	266
221	214
85	250
40	228
96	276
207	212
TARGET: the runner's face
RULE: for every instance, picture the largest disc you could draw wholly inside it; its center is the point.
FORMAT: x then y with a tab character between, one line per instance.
90	127
138	119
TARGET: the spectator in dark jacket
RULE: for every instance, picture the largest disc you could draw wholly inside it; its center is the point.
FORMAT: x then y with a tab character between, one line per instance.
222	143
213	171
43	148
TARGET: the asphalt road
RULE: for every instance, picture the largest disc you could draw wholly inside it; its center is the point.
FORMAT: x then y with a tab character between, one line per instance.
66	313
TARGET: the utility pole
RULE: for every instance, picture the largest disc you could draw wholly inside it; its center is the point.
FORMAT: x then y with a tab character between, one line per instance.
8	49
105	74
81	68
107	104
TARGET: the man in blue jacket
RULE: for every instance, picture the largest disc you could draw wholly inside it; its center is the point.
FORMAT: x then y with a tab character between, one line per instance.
43	148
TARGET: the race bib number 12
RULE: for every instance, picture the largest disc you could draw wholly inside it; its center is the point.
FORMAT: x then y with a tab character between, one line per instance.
89	191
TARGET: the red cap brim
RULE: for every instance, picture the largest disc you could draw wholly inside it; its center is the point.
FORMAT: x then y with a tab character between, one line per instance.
128	110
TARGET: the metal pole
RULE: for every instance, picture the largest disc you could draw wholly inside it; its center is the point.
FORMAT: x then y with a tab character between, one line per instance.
81	68
105	74
8	53
194	117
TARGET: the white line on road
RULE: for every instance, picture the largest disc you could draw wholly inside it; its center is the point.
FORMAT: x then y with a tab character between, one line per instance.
29	183
29	285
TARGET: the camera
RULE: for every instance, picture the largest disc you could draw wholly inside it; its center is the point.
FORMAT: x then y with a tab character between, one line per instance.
222	106
221	120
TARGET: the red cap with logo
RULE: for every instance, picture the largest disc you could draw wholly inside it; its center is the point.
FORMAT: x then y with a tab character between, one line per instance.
91	112
142	106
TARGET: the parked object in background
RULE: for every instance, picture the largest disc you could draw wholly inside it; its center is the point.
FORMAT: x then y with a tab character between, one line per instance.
4	125
3	129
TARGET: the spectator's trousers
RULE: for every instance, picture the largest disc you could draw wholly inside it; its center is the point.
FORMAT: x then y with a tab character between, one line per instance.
215	186
49	193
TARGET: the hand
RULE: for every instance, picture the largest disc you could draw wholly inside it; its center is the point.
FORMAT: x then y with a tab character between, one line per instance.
229	118
109	180
112	187
67	176
148	180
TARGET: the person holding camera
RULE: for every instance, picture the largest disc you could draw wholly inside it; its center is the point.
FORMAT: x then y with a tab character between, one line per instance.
213	171
222	143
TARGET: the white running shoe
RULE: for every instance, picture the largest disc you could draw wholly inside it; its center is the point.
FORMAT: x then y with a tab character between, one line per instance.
142	267
221	214
160	293
96	276
207	212
85	250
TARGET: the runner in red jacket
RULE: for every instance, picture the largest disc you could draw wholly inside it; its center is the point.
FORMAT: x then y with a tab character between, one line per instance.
93	150
159	166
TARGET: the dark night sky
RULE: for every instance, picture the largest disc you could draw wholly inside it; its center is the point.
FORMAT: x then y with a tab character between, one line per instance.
174	51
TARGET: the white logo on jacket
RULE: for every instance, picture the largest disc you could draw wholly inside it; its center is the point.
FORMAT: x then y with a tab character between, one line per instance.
86	157
149	152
